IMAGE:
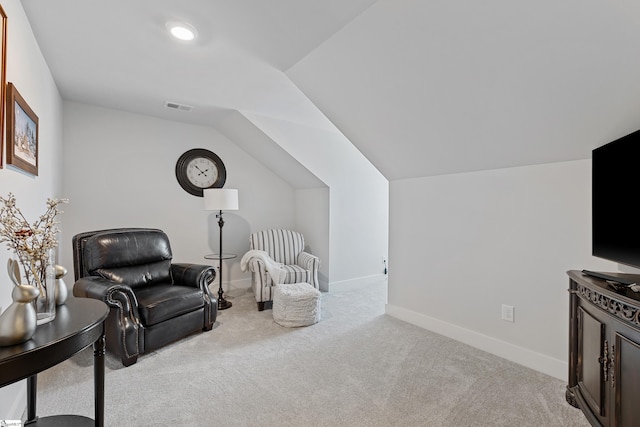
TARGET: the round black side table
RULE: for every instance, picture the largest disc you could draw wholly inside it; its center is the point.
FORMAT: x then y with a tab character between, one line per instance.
79	323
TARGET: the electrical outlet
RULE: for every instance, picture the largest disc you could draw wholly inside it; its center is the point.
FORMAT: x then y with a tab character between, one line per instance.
508	313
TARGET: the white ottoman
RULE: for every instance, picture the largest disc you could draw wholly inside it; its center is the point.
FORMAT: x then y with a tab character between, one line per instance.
296	304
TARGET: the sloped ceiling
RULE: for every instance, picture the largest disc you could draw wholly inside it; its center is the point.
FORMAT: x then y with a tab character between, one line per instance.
435	87
419	87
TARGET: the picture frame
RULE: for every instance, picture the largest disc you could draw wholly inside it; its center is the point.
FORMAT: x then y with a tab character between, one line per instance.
22	132
3	78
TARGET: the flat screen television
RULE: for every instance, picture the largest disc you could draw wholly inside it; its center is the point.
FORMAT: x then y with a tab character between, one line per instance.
615	186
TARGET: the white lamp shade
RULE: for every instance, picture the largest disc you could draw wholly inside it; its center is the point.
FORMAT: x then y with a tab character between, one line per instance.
220	199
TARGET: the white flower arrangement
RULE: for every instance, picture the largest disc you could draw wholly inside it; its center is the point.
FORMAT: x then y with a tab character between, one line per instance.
30	242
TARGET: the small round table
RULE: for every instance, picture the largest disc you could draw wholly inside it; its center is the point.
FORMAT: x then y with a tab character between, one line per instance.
79	323
222	303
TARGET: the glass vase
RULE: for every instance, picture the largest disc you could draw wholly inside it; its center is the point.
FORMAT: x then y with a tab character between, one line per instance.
43	276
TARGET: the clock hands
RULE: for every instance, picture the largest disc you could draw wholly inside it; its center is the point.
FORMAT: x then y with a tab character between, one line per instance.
202	172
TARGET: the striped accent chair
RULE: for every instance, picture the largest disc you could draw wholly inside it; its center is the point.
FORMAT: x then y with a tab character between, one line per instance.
285	247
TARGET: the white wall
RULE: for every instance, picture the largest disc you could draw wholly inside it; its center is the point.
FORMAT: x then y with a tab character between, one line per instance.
359	195
121	172
27	69
313	221
462	245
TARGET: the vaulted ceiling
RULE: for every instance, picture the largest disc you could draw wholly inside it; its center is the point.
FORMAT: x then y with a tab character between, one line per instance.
422	87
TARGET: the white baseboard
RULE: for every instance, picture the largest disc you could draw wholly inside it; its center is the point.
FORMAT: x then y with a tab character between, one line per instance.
531	359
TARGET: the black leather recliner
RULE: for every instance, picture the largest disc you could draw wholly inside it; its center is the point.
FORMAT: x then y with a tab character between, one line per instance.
152	301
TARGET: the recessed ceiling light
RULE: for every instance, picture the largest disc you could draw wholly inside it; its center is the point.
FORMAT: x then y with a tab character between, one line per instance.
182	31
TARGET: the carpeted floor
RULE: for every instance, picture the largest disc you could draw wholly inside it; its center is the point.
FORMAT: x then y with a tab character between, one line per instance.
356	367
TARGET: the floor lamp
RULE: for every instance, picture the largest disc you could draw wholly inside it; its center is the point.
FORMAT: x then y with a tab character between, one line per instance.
221	199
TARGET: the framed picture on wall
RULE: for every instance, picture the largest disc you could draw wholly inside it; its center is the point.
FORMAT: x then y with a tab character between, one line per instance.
3	78
22	132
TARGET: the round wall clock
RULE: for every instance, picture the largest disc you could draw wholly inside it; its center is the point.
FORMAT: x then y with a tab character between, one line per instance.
198	169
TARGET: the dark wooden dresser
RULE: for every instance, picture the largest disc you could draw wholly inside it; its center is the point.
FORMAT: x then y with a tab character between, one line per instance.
604	351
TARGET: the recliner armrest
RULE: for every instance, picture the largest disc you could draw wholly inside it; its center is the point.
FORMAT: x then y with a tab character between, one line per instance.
123	336
99	288
193	275
198	276
111	293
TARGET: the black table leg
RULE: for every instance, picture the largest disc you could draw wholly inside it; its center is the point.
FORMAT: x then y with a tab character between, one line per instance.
98	374
32	391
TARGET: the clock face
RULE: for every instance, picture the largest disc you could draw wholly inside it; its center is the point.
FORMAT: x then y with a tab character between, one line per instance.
198	169
202	172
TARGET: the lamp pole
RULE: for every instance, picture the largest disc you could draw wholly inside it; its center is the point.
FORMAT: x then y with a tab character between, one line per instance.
219	199
222	303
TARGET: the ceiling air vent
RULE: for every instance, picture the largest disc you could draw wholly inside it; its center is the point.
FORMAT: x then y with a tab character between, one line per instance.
176	106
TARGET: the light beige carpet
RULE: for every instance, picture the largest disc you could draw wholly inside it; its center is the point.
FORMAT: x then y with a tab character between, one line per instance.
356	367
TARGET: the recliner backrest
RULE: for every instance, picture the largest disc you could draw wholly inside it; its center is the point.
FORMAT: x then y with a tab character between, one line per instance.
135	257
282	245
